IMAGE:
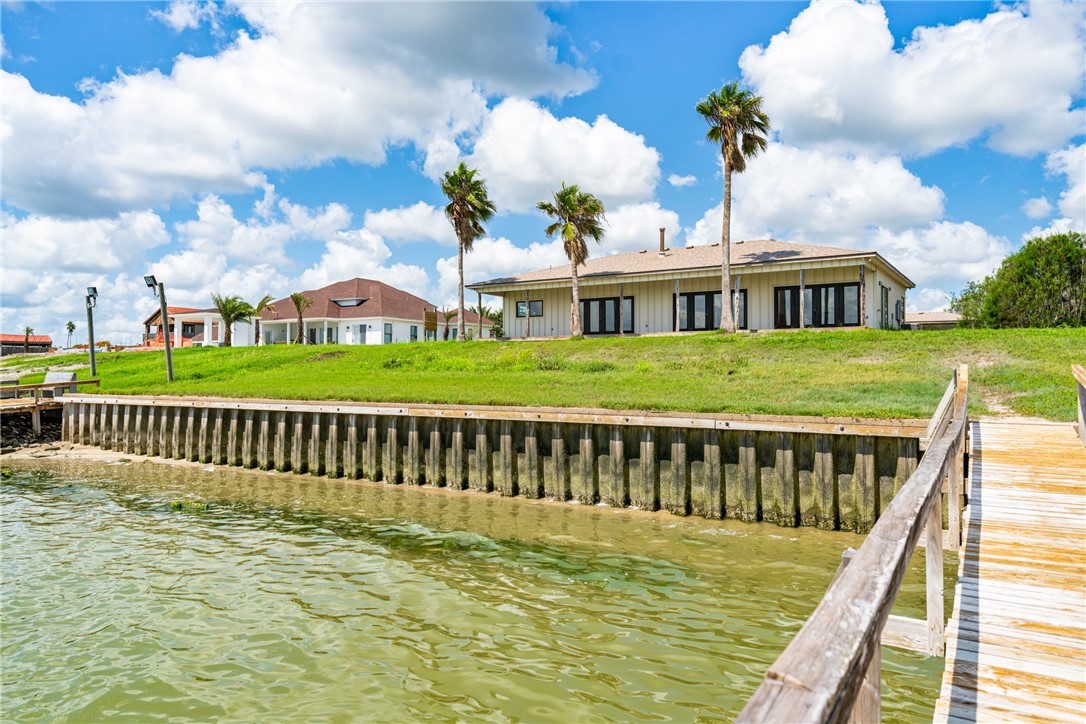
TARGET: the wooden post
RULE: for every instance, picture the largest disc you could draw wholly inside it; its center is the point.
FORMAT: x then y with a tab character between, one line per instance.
621	315
455	476
480	308
263	441
413	473
298	449
934	565
505	467
203	452
867	706
333	448
435	454
530	479
863	297
527	315
802	301
316	457
676	305
735	301
350	448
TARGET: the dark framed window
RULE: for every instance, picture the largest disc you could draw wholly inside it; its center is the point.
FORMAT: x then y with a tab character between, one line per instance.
824	305
702	310
414	333
534	308
600	316
388	333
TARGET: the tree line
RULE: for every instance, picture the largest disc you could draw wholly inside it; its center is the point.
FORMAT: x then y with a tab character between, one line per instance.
1043	284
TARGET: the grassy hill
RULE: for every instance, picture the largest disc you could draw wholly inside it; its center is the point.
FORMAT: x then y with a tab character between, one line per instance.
862	373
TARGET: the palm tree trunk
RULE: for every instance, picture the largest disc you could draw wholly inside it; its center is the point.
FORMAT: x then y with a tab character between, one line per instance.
227	334
575	312
727	319
299	339
460	291
256	333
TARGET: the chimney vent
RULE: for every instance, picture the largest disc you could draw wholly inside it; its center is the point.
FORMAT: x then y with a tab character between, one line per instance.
662	247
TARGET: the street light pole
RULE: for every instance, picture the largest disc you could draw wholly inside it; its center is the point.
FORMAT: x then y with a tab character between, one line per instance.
92	302
160	292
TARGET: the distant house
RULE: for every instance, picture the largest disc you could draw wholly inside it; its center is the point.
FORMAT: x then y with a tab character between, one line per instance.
778	285
13	343
360	311
190	327
932	320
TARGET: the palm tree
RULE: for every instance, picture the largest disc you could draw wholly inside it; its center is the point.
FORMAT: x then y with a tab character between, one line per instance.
26	339
579	216
301	303
447	315
70	326
232	309
484	312
467	209
738	124
264	303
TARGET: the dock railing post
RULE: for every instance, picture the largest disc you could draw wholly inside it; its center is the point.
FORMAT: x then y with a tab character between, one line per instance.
867	706
934	566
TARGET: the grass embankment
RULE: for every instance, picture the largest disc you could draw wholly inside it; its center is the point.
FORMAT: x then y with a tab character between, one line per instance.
836	373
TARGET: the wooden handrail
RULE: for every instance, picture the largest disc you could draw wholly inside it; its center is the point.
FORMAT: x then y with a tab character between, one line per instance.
820	674
1079	373
943	411
49	385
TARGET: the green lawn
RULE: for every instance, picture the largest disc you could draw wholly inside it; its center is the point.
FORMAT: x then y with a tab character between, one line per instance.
862	373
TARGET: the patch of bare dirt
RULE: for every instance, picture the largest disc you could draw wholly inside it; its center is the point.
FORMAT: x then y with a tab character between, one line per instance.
326	355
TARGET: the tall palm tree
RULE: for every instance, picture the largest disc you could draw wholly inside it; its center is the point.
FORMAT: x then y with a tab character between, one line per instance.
579	216
264	303
740	127
301	303
232	309
70	326
26	338
468	207
484	312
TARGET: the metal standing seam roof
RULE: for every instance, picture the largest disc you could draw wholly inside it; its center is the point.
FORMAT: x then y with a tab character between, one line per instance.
382	300
686	258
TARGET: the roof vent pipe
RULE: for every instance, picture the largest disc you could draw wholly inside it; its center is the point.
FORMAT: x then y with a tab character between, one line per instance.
662	247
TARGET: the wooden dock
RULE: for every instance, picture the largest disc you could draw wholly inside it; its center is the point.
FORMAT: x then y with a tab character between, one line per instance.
1016	642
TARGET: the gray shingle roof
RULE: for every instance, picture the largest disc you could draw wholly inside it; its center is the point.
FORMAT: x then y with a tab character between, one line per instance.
744	253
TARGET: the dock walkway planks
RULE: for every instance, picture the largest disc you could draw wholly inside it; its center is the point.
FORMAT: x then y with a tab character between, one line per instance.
1016	643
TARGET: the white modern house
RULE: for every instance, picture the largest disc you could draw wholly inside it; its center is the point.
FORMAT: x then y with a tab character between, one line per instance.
190	327
361	311
777	285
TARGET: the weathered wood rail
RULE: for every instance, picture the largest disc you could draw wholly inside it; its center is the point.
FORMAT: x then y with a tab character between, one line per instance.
1079	373
830	672
43	396
829	473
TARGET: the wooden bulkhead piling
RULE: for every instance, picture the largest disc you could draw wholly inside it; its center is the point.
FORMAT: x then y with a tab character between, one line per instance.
832	474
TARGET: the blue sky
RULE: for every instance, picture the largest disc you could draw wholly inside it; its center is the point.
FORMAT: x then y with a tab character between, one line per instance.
268	148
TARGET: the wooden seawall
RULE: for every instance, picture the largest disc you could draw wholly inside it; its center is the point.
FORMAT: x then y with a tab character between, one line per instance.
829	473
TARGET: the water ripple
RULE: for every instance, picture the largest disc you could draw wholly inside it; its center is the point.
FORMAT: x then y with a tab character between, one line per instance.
284	599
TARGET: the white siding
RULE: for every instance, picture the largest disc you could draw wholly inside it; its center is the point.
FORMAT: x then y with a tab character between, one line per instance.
654	300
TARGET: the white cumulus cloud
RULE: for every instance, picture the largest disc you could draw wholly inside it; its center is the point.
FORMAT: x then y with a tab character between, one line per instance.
525	154
835	77
418	222
679	181
1038	208
312	82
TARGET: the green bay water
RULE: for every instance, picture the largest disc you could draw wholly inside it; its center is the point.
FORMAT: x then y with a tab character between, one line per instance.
271	597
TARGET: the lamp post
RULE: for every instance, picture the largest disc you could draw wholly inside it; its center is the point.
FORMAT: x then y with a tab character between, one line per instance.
160	292
92	302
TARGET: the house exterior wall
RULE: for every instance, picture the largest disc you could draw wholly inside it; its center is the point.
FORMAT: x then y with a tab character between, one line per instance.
368	330
653	305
